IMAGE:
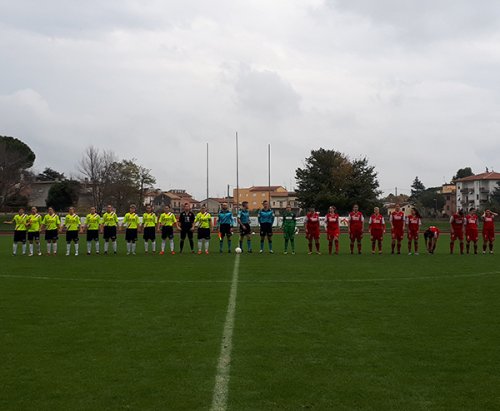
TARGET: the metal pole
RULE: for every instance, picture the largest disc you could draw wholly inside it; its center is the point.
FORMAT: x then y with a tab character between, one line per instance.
237	177
269	172
207	174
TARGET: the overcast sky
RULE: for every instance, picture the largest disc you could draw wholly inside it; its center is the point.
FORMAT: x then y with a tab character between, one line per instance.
412	85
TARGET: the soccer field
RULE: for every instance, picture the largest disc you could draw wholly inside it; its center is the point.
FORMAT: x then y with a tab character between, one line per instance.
369	332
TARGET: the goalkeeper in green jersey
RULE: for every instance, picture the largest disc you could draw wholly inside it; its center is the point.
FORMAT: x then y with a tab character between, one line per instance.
289	224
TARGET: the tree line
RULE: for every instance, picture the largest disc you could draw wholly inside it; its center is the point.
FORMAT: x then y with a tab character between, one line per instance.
327	178
107	178
115	182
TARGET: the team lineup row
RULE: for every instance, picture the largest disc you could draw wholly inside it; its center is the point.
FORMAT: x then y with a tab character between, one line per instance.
28	228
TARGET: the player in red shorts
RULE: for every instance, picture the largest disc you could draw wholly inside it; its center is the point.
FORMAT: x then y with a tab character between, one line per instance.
332	229
471	229
376	225
397	219
488	230
431	236
413	223
356	221
457	222
312	229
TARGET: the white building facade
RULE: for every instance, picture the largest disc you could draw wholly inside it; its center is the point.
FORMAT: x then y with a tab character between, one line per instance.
475	191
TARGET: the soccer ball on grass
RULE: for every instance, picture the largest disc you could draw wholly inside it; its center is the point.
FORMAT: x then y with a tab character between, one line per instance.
238	250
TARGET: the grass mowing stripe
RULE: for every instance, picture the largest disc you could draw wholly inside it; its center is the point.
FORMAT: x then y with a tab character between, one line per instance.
219	401
109	280
312	281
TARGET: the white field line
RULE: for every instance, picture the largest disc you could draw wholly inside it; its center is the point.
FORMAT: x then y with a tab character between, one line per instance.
219	400
259	281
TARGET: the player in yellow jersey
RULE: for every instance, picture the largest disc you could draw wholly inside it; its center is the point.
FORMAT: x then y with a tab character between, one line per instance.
149	221
109	222
72	224
167	221
92	224
203	221
34	223
50	224
20	220
131	223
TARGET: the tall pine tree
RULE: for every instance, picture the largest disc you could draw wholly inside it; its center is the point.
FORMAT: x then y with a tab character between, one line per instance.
417	188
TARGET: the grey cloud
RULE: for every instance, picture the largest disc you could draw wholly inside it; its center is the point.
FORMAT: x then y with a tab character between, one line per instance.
366	78
265	93
427	20
59	18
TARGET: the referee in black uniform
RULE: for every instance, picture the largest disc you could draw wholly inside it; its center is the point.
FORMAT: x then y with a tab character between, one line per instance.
186	221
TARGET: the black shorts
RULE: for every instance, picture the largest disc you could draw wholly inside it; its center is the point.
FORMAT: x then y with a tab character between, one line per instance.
131	235
225	230
203	233
92	235
266	229
187	233
167	231
72	236
109	233
33	235
429	235
20	236
245	229
51	235
149	233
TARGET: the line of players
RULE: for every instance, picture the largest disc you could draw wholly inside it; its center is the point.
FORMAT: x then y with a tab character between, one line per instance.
29	227
461	226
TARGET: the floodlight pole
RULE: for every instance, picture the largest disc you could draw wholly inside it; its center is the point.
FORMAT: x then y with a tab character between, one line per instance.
237	176
207	175
269	172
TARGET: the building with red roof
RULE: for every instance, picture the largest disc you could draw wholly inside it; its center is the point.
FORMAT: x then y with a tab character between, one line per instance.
475	191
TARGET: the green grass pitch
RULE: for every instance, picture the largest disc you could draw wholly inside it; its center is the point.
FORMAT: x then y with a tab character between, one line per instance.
315	332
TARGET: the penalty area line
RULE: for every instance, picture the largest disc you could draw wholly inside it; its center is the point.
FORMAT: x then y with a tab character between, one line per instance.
221	388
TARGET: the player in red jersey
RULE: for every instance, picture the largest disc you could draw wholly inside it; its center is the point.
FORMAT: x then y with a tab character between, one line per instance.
312	229
332	229
413	223
457	222
471	229
397	219
488	230
376	225
356	221
431	236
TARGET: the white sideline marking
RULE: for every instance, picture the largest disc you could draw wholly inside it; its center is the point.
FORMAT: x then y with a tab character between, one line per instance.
219	400
260	281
